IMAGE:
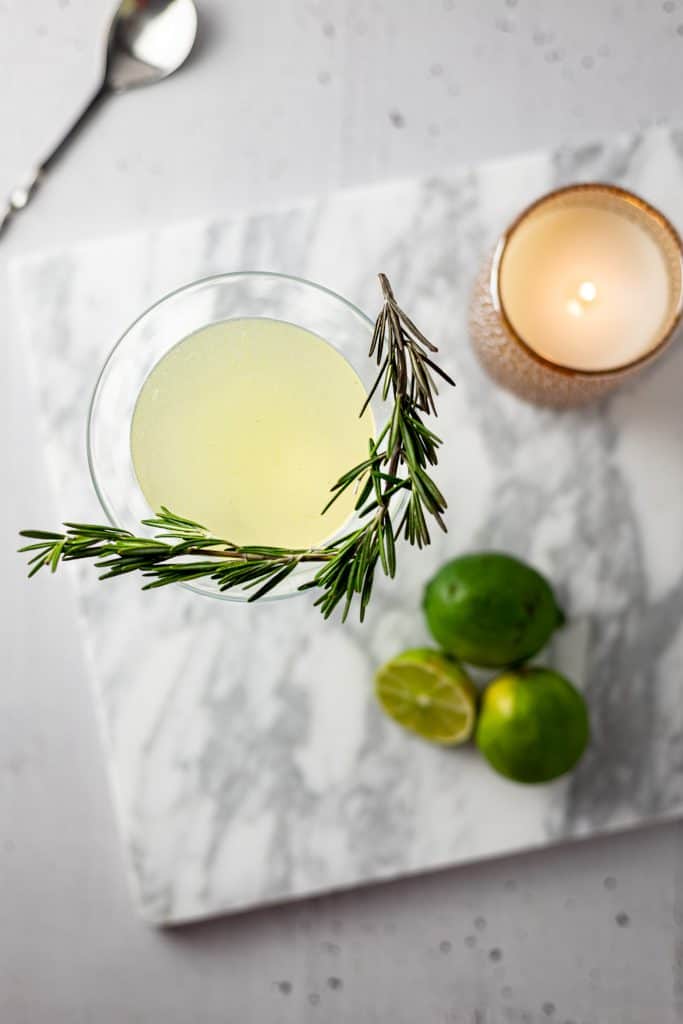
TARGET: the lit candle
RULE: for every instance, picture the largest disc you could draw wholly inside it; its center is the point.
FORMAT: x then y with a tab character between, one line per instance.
583	288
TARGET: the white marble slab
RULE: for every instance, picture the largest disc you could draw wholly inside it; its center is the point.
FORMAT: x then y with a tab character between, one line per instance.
248	761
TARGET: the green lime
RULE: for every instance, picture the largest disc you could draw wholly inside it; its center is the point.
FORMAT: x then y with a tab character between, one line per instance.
429	693
490	609
533	725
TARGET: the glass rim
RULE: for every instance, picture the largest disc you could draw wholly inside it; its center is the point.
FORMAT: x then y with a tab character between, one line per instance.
672	322
186	289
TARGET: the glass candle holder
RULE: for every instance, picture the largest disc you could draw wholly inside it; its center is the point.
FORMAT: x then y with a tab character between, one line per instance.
582	291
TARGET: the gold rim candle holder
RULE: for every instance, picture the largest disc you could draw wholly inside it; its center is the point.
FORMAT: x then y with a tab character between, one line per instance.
511	360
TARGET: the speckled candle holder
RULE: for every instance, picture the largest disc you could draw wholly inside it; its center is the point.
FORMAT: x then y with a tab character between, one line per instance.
512	362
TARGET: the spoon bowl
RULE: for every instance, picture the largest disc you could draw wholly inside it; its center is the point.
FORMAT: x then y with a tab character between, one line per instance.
148	41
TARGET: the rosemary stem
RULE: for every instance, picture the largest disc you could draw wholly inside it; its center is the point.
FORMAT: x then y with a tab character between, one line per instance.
312	555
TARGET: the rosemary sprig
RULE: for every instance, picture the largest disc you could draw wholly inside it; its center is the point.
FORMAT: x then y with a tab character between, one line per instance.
182	550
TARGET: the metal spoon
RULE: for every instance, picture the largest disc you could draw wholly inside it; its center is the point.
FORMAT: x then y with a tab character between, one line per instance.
147	40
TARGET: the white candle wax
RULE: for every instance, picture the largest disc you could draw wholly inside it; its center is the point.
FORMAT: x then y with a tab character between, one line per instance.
586	287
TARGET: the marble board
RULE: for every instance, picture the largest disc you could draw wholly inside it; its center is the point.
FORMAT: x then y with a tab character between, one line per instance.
249	763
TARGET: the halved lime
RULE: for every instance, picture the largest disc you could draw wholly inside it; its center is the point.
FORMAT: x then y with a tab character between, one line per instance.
430	694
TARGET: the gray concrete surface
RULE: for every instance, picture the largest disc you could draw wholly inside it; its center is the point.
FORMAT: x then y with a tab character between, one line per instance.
286	99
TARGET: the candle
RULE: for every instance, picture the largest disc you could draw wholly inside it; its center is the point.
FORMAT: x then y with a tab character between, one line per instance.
584	288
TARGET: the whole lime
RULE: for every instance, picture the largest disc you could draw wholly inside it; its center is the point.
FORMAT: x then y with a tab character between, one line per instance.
490	609
429	693
533	725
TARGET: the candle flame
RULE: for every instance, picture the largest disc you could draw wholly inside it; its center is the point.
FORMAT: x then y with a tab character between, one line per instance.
586	293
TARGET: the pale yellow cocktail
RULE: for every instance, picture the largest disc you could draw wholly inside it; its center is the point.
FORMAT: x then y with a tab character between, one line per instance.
245	425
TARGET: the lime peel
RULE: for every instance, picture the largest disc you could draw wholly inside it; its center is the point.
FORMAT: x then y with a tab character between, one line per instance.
533	725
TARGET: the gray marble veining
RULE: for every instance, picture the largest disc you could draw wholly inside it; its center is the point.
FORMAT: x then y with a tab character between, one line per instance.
248	760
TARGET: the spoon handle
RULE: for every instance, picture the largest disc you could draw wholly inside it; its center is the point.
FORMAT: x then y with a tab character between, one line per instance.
22	194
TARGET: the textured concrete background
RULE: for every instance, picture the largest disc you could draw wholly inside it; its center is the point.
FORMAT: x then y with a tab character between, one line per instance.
286	99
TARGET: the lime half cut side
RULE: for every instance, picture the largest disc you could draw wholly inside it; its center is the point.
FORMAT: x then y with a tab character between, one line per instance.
430	694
